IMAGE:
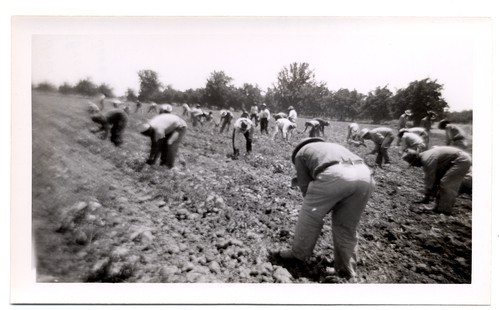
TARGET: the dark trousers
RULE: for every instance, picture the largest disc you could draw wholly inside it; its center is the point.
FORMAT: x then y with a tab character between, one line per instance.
263	125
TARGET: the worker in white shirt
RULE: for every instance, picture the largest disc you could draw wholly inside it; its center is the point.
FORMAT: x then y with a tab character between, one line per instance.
226	117
292	114
243	128
315	128
411	141
382	137
264	117
166	131
286	127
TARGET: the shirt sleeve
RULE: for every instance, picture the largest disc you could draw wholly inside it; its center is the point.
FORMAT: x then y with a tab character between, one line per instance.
448	136
430	170
303	175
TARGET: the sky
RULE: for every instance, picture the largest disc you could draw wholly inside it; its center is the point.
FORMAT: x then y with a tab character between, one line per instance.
353	53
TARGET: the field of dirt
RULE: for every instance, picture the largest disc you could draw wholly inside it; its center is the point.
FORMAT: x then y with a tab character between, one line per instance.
101	215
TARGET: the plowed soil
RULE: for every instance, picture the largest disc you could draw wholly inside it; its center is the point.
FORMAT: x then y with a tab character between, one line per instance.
101	215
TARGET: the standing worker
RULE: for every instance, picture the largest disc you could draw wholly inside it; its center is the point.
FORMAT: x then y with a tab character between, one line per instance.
292	114
382	137
254	114
403	119
243	127
166	132
331	179
264	117
426	122
455	136
444	170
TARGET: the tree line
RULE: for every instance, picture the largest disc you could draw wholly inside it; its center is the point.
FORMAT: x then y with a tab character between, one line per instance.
296	85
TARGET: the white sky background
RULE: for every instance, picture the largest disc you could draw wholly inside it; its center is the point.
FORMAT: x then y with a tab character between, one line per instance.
353	53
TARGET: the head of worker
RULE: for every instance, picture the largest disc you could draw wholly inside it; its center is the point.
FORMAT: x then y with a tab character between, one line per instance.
408	113
442	124
402	132
413	158
290	108
303	143
364	134
165	108
146	129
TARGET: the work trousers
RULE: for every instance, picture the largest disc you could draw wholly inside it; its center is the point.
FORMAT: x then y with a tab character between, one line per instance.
382	148
343	190
238	141
167	147
449	185
263	125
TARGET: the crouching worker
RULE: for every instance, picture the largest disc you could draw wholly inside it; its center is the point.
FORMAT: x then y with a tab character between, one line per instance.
114	121
243	127
410	141
332	179
444	168
166	132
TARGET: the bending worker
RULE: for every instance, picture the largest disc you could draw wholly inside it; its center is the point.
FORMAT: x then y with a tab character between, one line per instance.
166	132
332	179
243	128
382	137
115	121
445	168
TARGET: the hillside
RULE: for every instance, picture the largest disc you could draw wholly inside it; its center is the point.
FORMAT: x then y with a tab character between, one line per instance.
101	215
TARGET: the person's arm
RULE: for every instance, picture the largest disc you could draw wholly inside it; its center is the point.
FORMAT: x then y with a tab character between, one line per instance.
448	136
430	172
303	175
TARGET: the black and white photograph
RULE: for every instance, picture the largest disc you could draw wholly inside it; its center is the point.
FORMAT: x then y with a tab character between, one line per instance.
251	160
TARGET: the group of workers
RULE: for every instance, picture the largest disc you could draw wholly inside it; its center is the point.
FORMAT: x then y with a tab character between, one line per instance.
332	178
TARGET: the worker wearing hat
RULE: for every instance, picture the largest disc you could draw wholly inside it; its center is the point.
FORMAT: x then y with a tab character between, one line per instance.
264	116
165	108
426	122
444	170
243	128
113	121
420	131
455	136
226	117
292	114
382	137
196	114
166	132
331	179
403	119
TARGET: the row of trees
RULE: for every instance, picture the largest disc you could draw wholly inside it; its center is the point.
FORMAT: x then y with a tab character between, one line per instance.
84	87
296	85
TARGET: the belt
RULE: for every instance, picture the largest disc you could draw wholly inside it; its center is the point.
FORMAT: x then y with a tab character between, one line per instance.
349	162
